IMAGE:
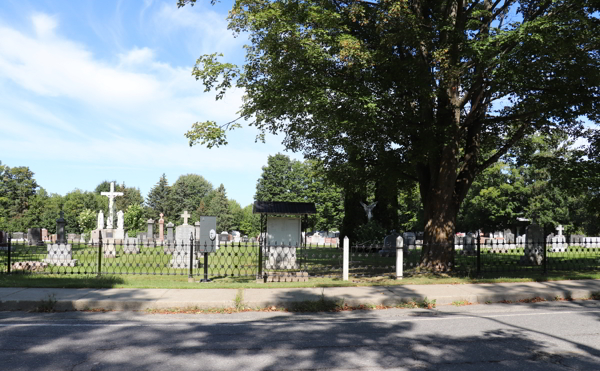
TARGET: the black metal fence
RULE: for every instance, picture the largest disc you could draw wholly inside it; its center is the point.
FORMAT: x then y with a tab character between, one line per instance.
287	263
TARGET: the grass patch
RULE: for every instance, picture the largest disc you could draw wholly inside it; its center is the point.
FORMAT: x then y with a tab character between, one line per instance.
461	303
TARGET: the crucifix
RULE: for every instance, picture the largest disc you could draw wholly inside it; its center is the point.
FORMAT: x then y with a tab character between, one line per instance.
111	204
560	229
185	217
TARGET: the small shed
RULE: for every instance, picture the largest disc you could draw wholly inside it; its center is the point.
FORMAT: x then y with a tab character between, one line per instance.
285	224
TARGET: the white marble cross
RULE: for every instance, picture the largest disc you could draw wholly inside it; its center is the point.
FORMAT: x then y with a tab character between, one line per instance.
185	217
560	229
111	204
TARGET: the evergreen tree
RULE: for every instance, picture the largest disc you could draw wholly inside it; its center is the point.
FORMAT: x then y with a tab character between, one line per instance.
219	206
159	200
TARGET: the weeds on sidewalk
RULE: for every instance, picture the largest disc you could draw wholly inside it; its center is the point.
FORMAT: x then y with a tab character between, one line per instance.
239	300
461	303
411	304
46	305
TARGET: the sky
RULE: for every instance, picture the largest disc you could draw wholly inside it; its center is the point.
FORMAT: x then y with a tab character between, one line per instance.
102	90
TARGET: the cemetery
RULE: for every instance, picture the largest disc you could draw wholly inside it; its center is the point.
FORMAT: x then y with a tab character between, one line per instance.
280	250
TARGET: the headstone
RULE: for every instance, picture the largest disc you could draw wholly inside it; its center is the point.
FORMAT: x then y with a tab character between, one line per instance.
161	228
72	237
184	232
237	237
111	204
533	246
389	244
100	224
44	234
150	234
170	237
410	238
509	237
34	236
576	239
18	236
60	229
559	242
197	230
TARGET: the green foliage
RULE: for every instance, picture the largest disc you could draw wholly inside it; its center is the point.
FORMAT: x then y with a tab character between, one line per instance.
189	193
160	201
441	90
17	189
87	221
370	232
134	220
219	206
249	223
287	180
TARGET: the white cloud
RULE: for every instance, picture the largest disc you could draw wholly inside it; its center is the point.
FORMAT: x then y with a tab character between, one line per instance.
43	24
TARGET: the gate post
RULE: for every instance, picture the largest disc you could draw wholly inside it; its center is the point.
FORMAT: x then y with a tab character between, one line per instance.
9	248
190	275
346	257
99	253
399	257
478	253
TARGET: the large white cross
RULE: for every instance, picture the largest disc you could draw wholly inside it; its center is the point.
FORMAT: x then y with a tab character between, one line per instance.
560	229
185	217
111	204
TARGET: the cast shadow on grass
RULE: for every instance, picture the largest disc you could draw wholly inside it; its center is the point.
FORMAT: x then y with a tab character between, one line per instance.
59	281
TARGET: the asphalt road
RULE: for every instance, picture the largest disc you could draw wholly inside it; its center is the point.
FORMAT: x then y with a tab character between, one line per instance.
543	336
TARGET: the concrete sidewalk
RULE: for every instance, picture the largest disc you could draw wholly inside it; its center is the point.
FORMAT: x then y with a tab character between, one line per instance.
139	299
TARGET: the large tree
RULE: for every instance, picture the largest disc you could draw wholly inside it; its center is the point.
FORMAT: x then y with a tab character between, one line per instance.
443	87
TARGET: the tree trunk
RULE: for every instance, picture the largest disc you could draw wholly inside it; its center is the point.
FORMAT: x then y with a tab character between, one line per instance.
438	186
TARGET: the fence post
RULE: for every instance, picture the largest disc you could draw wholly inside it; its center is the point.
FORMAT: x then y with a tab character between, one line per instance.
99	253
191	275
346	257
399	257
9	248
478	253
544	250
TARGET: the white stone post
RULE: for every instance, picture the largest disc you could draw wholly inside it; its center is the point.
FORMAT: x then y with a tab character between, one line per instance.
346	258
399	257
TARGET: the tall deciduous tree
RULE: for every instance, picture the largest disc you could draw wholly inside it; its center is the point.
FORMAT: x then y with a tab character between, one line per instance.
219	206
189	193
445	87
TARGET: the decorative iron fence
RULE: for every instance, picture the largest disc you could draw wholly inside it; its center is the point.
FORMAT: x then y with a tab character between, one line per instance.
287	263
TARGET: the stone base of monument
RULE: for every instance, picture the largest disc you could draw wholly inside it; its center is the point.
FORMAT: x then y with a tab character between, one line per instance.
109	250
285	277
533	256
181	260
280	257
131	248
60	255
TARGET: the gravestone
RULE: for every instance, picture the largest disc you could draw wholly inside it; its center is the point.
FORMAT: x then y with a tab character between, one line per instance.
100	221
576	239
559	242
184	232
389	244
509	237
18	236
131	246
44	234
34	236
161	228
72	237
170	237
60	253
150	233
533	254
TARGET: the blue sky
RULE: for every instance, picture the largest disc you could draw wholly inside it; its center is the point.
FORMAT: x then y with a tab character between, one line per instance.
102	90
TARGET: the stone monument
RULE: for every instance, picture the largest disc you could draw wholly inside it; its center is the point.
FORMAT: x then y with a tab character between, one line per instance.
369	209
533	253
60	253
